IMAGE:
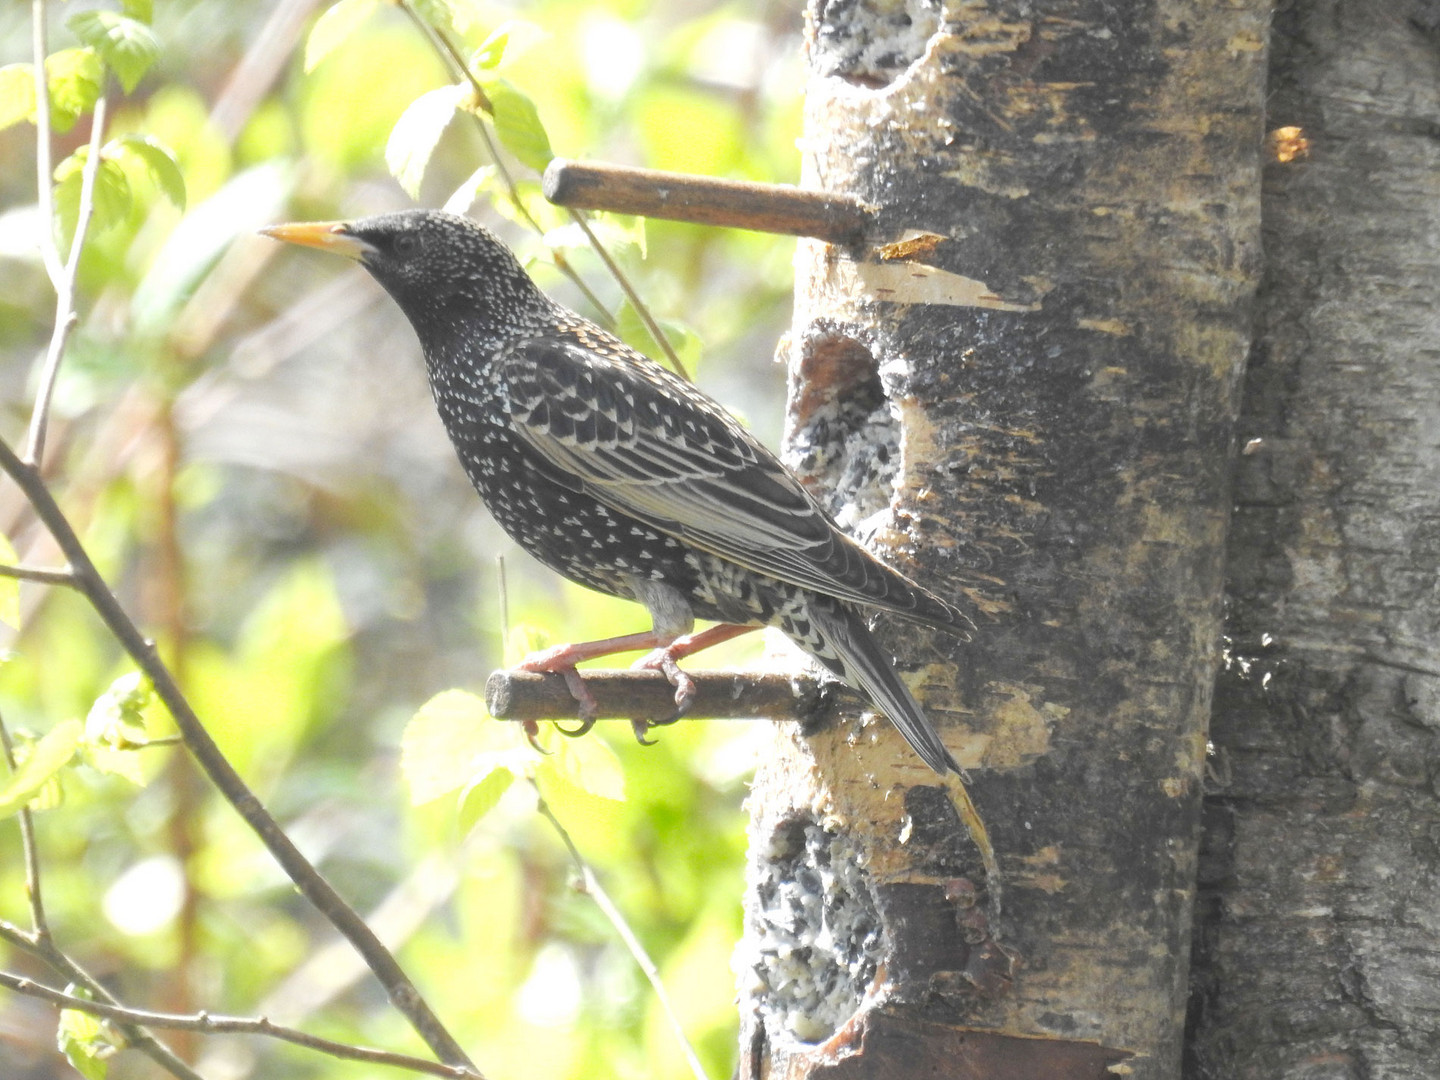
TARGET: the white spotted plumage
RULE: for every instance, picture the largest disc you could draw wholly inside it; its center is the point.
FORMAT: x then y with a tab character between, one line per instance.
624	477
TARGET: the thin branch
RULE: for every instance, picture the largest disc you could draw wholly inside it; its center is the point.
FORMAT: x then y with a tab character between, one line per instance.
40	925
65	316
502	599
450	56
402	992
590	885
207	1024
628	289
44	575
136	1035
49	250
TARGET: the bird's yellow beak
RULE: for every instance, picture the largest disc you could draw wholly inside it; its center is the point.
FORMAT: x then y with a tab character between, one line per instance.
332	236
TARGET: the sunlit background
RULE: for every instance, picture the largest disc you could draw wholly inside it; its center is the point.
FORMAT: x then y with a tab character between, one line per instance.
245	434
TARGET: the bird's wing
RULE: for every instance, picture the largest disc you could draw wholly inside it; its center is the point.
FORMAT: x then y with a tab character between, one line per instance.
645	443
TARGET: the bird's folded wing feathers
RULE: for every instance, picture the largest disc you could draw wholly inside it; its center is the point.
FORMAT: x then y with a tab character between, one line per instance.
648	445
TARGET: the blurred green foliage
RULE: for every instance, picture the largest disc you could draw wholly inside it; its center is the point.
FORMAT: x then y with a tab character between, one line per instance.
244	438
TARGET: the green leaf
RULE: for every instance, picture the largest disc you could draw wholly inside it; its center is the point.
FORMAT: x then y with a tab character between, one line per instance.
533	200
440	14
144	10
616	231
482	795
9	587
517	122
451	741
84	1039
590	765
333	28
524	639
157	159
510	38
128	46
413	138
631	329
17	94
75	78
117	717
245	202
115	728
466	194
112	192
46	758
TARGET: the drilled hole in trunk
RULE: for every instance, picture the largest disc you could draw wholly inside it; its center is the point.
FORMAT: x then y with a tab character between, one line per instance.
843	439
870	42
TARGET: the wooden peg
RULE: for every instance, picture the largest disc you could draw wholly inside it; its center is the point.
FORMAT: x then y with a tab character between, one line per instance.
647	695
704	200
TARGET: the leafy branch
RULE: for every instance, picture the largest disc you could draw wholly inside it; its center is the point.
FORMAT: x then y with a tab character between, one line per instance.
127	48
402	992
42	947
210	1024
518	125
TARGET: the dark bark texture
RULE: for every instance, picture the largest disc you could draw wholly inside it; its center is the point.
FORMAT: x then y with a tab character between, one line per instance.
1023	390
1318	924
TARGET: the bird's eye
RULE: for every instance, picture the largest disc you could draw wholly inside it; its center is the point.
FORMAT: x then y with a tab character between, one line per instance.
406	244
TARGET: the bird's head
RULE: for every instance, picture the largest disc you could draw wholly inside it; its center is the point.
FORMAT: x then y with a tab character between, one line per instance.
439	267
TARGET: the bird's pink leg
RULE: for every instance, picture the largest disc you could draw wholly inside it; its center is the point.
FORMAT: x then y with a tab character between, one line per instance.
561	660
667	655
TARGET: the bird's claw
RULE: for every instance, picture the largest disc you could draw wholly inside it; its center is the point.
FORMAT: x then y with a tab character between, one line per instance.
558	661
574	733
663	661
532	736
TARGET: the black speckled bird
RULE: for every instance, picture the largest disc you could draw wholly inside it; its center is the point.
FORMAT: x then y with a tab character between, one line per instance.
624	477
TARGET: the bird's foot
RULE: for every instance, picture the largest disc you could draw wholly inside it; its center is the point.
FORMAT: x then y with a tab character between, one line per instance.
560	660
555	659
666	662
663	661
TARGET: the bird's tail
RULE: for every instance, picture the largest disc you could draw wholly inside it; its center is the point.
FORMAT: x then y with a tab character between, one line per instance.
836	635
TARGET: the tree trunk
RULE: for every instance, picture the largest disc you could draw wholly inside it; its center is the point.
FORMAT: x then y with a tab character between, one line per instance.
1025	395
1318	933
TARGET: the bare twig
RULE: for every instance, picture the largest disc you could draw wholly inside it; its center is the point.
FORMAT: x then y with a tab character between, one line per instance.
65	316
707	200
590	885
44	575
208	1024
641	309
43	164
330	970
136	1035
40	925
402	992
647	695
502	600
450	55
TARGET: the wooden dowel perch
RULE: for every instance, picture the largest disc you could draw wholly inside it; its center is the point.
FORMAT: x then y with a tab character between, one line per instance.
646	695
704	200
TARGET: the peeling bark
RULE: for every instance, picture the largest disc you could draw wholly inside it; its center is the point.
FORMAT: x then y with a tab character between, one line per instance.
1026	397
1318	931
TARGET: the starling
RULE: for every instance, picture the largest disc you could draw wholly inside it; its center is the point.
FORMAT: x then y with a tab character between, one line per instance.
624	477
